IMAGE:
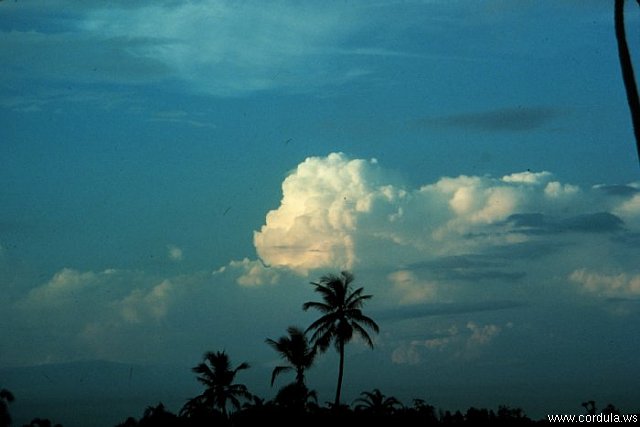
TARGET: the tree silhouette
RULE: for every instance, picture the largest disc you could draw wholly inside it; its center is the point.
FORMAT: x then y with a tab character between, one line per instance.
341	317
626	67
425	412
197	412
158	416
296	351
41	422
6	397
610	409
590	407
377	403
296	396
216	374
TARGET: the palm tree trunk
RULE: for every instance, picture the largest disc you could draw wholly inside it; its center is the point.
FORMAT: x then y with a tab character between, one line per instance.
627	71
340	374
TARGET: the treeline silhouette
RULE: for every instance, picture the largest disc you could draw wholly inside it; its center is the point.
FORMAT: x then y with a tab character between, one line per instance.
225	402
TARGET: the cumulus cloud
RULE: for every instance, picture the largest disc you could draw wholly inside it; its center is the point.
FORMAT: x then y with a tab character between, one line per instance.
338	212
174	253
95	313
629	210
460	341
141	304
481	334
114	294
251	272
317	220
66	286
410	289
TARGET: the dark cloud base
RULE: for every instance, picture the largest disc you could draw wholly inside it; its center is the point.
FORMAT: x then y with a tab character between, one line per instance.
444	309
510	119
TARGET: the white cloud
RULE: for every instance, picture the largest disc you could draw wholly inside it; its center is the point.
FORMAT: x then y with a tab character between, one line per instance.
629	210
527	177
406	354
410	289
66	286
338	213
322	201
251	273
109	294
174	253
459	342
230	48
608	285
142	304
555	189
481	335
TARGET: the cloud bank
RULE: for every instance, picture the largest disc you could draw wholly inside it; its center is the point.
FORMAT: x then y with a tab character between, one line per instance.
454	266
338	212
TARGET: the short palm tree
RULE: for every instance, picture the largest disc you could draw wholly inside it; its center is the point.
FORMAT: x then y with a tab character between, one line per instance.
341	317
296	351
6	397
216	374
377	403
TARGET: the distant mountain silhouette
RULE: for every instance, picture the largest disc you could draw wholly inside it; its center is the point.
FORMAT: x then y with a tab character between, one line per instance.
96	393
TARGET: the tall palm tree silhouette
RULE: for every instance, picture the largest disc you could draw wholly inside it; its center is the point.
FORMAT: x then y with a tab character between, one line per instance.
216	374
296	351
341	317
626	66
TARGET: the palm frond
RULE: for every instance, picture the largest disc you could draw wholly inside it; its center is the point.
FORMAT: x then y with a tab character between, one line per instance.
320	306
353	295
357	316
329	317
277	371
363	333
242	366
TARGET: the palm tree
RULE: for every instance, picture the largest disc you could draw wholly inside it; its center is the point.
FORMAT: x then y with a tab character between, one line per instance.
216	374
6	397
296	351
626	67
158	416
341	317
377	403
300	355
296	396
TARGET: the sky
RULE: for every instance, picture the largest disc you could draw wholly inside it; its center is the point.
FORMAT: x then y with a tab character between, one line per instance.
175	174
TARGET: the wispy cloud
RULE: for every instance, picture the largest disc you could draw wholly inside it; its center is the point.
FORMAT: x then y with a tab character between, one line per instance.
215	47
607	285
417	311
459	341
175	253
180	117
226	48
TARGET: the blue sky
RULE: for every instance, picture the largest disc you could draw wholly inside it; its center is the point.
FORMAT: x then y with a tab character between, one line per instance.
175	173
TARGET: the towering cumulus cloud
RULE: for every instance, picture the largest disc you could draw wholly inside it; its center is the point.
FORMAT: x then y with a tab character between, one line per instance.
336	212
318	216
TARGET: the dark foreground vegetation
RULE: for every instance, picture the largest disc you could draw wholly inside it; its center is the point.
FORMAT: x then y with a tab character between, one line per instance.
226	402
373	408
